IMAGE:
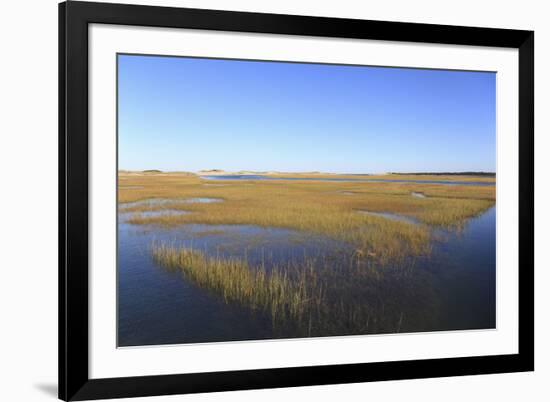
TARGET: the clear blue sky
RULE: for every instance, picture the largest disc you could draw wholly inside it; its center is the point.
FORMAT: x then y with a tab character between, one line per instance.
192	114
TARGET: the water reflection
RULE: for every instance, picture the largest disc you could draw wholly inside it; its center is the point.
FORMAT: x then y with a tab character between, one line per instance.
390	216
453	288
347	179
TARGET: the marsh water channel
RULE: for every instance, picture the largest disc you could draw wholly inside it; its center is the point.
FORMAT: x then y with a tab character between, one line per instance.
451	289
347	179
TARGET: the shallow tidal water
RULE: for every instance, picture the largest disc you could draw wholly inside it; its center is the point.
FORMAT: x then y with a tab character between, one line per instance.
339	179
390	216
454	287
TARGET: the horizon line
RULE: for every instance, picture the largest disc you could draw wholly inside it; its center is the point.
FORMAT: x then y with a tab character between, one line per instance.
471	172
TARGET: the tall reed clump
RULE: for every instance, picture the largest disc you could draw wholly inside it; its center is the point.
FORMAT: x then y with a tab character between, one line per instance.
313	297
274	291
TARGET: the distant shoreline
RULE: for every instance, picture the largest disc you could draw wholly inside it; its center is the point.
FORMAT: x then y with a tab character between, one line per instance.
482	174
219	172
470	176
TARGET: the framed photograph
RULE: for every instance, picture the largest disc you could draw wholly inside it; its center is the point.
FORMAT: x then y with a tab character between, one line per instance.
257	200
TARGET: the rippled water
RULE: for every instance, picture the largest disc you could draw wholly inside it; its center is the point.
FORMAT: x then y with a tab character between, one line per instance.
203	200
153	214
340	179
454	288
164	202
390	216
160	307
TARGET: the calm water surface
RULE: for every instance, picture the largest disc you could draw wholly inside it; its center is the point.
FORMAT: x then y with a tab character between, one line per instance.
339	179
390	216
158	306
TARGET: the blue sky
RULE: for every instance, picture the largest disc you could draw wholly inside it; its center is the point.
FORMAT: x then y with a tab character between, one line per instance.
191	114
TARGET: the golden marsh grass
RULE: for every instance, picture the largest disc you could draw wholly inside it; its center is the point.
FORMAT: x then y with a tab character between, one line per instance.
323	208
313	297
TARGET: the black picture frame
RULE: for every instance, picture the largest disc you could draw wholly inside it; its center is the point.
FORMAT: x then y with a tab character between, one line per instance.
74	381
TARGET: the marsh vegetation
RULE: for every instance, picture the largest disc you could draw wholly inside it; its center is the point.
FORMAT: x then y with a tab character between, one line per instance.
301	257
